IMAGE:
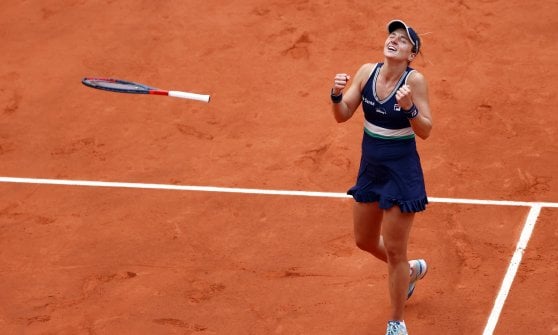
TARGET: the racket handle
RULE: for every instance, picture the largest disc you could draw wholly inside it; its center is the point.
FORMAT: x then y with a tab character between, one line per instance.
191	96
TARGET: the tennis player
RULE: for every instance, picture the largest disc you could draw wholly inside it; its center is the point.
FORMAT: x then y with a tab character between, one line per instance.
389	188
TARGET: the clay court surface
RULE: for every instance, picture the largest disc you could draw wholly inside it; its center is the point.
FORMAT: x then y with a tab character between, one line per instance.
78	258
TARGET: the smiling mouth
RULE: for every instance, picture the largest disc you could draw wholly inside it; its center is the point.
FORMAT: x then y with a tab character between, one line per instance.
391	48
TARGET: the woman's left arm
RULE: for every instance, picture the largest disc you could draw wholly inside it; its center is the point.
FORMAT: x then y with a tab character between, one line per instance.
422	123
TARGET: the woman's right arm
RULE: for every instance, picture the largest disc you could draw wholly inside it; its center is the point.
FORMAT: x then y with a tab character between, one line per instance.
345	108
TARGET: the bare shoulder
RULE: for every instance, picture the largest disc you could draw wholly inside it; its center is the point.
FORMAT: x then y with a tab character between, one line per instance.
416	78
363	73
366	69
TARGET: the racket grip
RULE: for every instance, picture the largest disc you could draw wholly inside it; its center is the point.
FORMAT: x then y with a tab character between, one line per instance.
191	96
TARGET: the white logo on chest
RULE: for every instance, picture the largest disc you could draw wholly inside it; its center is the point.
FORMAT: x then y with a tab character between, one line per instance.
368	102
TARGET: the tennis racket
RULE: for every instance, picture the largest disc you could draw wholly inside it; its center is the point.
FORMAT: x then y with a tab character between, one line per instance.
123	86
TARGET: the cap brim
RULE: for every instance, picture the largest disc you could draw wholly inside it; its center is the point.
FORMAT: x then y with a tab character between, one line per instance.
396	24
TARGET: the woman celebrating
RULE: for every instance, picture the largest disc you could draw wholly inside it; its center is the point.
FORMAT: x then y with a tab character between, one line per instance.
390	187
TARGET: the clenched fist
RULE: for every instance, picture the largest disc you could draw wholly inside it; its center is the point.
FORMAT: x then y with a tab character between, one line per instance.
340	82
404	97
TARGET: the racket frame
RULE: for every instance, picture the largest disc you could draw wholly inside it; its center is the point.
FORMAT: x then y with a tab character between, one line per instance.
141	89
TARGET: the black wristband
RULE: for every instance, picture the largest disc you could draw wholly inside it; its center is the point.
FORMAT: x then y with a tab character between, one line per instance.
411	113
336	98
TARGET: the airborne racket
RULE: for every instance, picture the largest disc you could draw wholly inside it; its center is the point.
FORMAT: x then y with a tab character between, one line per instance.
123	86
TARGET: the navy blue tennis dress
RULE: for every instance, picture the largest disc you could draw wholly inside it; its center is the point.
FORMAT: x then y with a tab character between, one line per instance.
390	171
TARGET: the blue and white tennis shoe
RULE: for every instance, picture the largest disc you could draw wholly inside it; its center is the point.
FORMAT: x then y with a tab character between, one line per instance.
396	328
418	271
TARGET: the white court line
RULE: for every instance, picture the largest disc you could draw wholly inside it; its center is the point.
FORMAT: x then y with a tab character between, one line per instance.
254	191
512	269
508	278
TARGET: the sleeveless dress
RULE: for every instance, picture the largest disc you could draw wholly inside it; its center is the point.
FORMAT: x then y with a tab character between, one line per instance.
390	171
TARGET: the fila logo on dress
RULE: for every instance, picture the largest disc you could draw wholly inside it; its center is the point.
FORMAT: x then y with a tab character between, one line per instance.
380	110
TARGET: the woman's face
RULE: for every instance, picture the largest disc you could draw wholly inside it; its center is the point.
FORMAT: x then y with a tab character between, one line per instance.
398	46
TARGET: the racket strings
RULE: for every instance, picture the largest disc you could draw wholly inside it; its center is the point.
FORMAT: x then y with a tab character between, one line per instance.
116	85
